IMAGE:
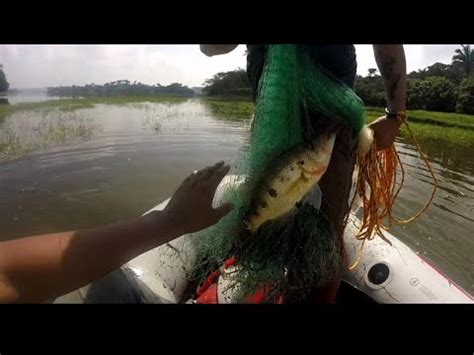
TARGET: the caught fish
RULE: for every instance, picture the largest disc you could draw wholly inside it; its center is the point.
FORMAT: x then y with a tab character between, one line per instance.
288	179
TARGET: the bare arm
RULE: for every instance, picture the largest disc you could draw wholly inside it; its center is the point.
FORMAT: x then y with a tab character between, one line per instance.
392	65
216	49
39	268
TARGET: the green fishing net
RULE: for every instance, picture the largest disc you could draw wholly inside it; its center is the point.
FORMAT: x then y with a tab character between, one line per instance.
301	252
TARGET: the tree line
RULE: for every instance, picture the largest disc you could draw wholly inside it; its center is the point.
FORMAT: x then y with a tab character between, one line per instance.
232	83
119	88
439	87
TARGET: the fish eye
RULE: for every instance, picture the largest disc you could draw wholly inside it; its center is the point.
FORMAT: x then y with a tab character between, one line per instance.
301	162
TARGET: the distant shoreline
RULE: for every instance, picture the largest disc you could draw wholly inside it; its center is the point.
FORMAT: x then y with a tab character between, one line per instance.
451	128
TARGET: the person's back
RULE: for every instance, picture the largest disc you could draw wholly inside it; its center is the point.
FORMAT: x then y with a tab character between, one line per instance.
340	62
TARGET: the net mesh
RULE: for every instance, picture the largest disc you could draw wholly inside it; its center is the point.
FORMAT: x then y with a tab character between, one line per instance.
301	252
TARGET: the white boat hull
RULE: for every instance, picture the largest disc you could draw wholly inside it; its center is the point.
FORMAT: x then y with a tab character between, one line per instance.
387	274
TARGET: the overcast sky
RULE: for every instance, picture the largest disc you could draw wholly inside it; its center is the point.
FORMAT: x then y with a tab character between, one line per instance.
31	66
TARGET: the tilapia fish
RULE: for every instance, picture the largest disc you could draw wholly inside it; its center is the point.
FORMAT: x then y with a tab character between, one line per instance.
288	179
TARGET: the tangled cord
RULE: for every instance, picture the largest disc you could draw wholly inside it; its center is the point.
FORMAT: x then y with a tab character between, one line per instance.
377	188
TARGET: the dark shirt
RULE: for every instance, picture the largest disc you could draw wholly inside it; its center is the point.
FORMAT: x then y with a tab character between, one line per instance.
339	60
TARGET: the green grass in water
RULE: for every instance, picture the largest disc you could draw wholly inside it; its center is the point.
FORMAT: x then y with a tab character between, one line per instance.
89	102
238	108
446	128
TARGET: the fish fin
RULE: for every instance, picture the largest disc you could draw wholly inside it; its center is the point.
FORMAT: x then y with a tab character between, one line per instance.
314	197
248	226
366	138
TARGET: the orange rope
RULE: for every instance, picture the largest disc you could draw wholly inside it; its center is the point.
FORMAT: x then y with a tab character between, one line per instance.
433	175
378	190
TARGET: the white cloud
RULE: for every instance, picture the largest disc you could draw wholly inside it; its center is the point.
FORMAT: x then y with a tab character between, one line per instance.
417	56
51	65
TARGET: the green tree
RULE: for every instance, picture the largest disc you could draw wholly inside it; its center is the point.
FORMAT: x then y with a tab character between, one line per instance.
120	87
465	99
370	90
4	85
415	94
228	83
453	72
433	94
465	57
372	72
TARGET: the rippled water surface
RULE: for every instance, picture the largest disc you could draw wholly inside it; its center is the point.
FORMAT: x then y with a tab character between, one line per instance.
92	166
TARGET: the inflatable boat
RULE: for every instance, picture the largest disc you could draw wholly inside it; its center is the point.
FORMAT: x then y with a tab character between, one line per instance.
385	274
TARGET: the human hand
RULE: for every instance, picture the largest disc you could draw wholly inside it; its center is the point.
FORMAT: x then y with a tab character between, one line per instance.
385	131
190	208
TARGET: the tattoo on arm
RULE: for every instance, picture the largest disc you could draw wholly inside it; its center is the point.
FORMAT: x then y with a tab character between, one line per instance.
390	76
392	66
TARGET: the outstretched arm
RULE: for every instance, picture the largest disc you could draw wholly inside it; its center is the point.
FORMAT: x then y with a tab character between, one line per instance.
39	268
